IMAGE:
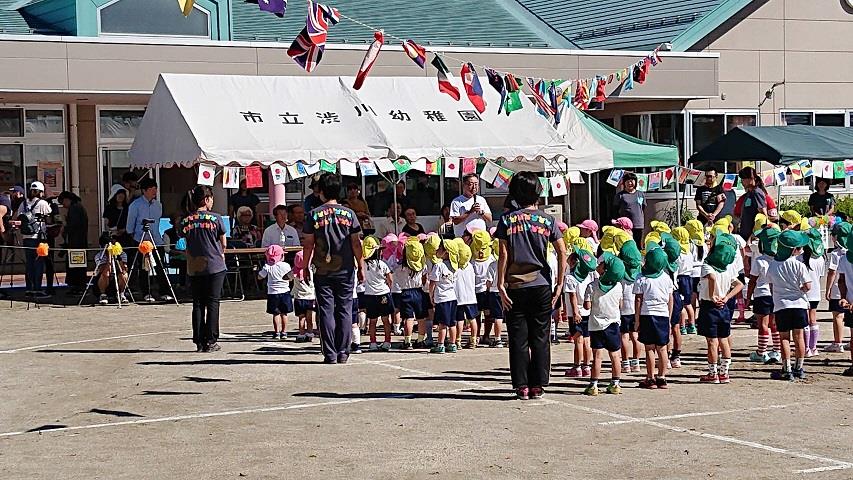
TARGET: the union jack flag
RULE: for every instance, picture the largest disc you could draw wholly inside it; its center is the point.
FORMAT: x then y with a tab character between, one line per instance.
308	47
304	52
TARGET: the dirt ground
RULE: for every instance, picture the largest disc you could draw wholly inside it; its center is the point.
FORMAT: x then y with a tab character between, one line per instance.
97	392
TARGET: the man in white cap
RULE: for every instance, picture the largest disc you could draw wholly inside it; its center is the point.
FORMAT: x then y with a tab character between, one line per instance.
32	215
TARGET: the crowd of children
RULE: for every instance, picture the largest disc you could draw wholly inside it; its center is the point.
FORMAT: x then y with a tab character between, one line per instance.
617	295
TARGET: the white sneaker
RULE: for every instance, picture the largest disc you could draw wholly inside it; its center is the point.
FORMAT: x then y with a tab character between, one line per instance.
149	299
810	353
167	298
834	348
103	300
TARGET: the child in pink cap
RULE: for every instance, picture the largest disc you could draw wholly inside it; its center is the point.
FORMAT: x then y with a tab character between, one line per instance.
589	231
624	223
279	302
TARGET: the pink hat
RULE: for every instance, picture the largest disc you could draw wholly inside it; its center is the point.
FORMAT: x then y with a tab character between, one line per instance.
624	223
562	226
274	254
471	228
422	237
492	231
299	266
392	246
590	225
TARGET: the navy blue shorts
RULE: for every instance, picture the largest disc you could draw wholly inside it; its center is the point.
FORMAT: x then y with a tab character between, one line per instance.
848	319
608	338
411	304
396	300
361	301
762	305
789	319
301	307
695	283
582	328
445	314
813	304
279	303
834	307
426	301
654	330
496	308
355	311
713	322
627	323
685	288
732	306
466	312
378	305
483	301
677	308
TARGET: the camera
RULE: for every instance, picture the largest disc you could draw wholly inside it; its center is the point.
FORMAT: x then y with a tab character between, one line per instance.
147	221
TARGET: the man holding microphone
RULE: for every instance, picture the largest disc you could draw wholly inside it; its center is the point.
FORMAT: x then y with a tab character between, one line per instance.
469	208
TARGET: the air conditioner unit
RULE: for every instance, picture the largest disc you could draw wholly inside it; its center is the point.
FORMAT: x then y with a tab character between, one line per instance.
555	211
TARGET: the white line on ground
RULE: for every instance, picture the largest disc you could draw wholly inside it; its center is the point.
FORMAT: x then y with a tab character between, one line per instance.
703	414
117	337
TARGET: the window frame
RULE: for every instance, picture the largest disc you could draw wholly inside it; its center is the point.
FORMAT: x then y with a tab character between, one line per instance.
801	190
101	33
40	139
658	195
689	190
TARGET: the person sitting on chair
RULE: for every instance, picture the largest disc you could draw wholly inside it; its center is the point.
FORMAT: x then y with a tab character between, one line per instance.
104	270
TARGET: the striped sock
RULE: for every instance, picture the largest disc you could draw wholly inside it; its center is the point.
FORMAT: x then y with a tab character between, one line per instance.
777	341
763	341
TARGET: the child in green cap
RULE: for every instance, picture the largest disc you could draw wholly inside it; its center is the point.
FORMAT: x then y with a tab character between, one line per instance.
577	281
790	283
606	297
840	231
761	298
718	285
653	305
812	257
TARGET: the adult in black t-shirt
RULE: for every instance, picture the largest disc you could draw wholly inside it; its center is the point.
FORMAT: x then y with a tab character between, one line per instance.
243	198
710	199
524	283
333	246
412	228
822	202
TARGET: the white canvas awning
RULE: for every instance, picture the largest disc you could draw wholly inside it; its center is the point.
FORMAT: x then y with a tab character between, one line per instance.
244	120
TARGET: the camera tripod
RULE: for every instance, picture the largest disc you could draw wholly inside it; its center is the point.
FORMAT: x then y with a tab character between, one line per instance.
146	235
113	263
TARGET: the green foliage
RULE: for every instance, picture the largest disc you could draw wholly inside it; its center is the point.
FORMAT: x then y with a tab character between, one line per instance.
670	218
842	204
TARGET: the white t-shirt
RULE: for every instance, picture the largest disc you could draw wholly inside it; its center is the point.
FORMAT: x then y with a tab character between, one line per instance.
427	271
846	268
656	294
285	237
303	290
628	298
817	270
685	264
374	278
580	290
38	206
462	205
481	273
404	279
760	264
593	245
738	263
606	307
492	276
276	275
359	287
445	280
833	259
786	279
465	281
722	282
696	272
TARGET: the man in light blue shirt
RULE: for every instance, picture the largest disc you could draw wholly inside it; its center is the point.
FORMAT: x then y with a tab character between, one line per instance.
148	207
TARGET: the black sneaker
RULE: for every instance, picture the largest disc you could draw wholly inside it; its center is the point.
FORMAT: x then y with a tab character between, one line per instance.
407	346
847	372
419	345
661	383
199	347
798	373
213	347
355	348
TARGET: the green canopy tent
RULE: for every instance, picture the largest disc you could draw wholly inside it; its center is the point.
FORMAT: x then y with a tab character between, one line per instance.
779	145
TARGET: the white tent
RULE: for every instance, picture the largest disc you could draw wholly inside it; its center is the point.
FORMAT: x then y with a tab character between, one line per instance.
243	120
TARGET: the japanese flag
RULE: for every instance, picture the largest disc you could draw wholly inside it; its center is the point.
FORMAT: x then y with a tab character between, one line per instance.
558	186
451	167
279	174
206	173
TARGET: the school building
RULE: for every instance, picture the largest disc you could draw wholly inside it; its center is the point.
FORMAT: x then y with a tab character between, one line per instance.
77	74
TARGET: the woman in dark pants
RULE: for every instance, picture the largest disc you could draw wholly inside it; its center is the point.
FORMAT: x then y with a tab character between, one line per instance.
524	282
204	231
75	232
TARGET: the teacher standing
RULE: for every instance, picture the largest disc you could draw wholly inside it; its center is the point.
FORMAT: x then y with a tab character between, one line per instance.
631	203
524	282
333	246
204	231
469	208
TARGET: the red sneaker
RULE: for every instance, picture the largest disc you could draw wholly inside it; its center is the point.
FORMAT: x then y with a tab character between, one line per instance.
649	384
536	393
661	383
724	378
709	378
522	393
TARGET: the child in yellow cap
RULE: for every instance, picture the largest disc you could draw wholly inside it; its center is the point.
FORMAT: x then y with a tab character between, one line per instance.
377	293
443	293
481	261
466	297
409	276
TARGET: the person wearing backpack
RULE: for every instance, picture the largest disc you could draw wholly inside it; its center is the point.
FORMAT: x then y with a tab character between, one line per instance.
32	215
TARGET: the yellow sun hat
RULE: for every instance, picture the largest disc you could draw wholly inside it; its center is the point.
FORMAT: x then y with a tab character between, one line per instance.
696	230
608	239
465	253
792	217
683	237
481	245
651	237
660	227
570	234
414	254
369	246
433	241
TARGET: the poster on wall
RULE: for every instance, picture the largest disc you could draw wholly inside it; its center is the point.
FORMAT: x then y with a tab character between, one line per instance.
51	175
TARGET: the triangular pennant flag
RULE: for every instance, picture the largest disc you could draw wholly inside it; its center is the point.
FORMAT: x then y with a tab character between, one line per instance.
581	99
469	165
629	80
472	87
768	177
278	173
654	181
230	177
490	172
186	6
693	176
369	59
503	178
642	182
668	176
253	177
277	7
443	74
384	165
451	167
348	169
683	173
297	170
433	168
416	52
546	187
206	174
600	94
729	181
781	174
641	70
402	165
615	177
328	166
558	186
838	169
367	167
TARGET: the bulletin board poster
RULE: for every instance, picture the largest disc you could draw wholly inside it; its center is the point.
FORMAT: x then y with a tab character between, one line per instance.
51	175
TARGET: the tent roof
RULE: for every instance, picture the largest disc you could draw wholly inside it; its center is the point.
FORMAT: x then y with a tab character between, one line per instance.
780	145
243	120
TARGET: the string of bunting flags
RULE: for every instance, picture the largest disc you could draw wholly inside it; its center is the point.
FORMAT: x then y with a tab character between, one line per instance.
547	95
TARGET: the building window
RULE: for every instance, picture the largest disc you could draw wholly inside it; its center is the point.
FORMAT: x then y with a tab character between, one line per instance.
152	17
706	128
33	147
118	124
829	119
662	128
818	118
